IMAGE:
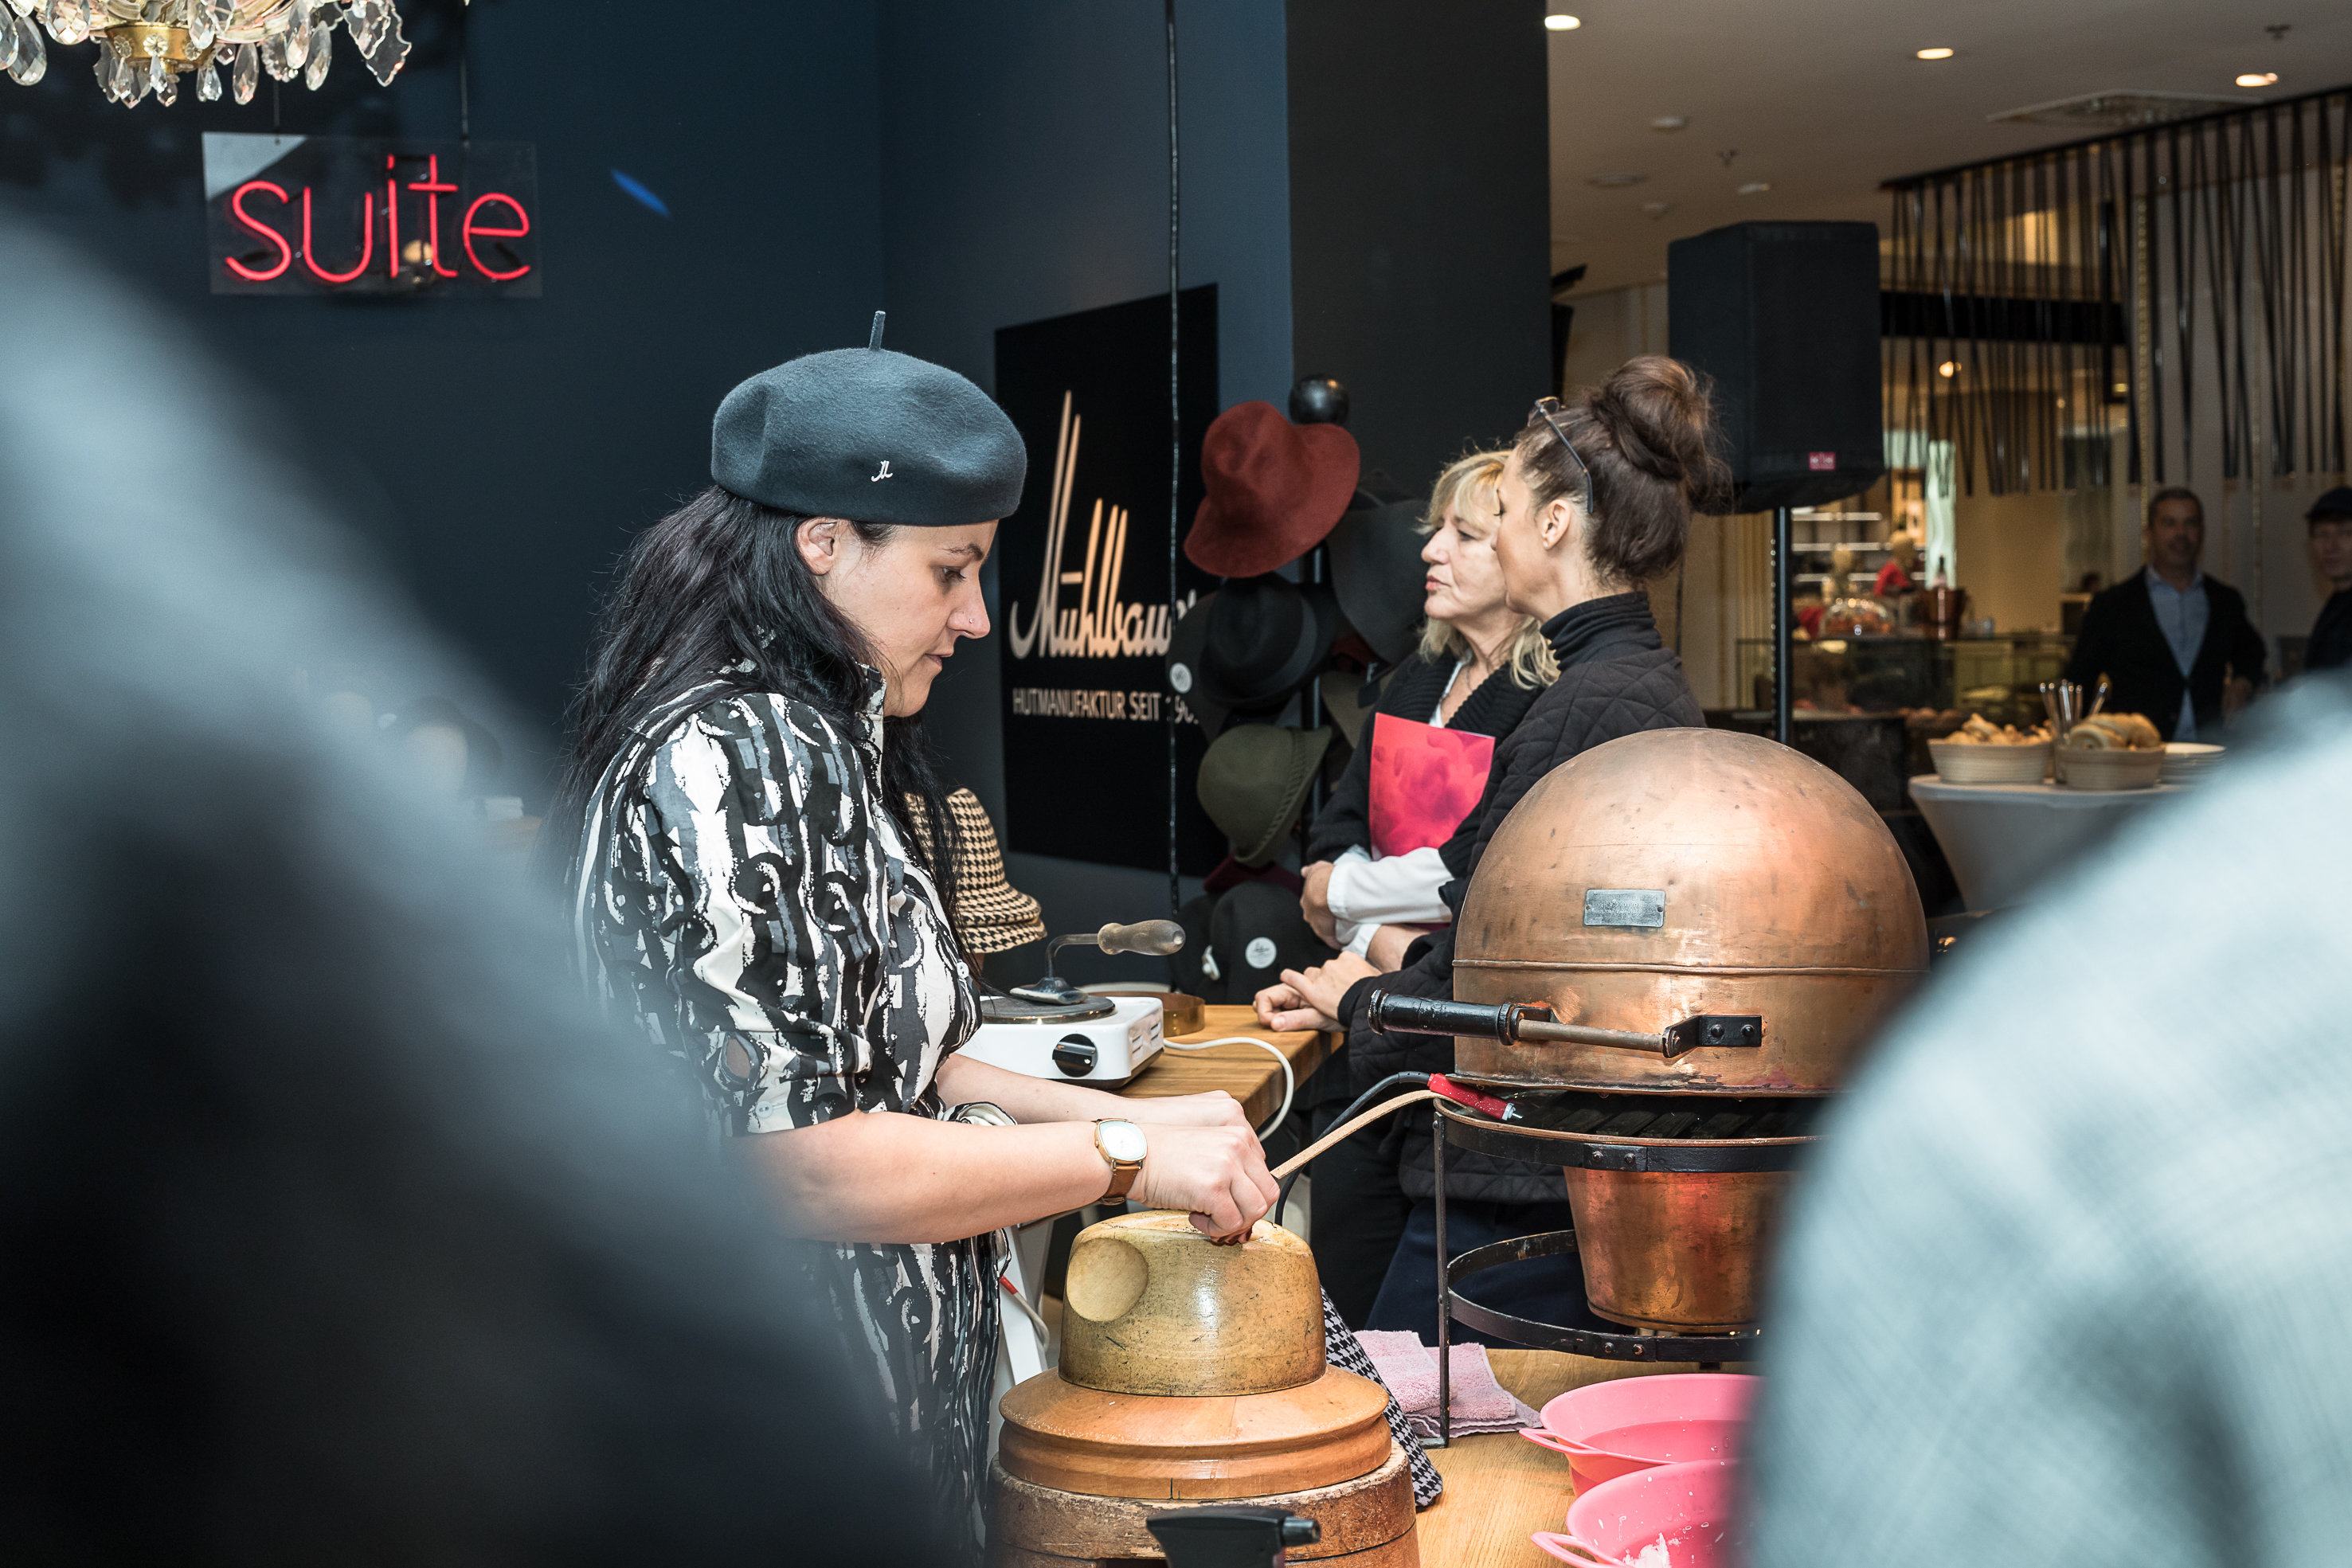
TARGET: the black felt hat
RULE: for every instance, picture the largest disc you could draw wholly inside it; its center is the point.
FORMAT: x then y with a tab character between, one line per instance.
1241	652
870	436
1257	932
1382	580
2337	503
1189	967
1265	636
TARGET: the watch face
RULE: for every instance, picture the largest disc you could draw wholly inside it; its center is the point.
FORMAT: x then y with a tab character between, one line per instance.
1122	1141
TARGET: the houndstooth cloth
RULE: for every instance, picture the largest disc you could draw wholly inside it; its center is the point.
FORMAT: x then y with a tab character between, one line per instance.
1340	1348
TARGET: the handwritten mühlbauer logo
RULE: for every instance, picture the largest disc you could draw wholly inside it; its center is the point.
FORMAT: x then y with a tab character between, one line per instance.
1101	624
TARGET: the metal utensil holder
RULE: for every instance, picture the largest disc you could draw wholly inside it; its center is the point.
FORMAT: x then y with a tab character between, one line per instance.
2063	702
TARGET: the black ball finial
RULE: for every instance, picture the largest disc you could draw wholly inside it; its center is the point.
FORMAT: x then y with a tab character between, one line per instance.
1318	400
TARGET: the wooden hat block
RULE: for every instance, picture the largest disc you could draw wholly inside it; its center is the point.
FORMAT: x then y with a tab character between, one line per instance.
1192	1375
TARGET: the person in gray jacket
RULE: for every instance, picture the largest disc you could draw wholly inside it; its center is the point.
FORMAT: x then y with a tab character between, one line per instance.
2071	1280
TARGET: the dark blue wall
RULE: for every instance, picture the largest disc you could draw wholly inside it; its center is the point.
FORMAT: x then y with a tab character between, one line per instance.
501	452
1419	219
1025	163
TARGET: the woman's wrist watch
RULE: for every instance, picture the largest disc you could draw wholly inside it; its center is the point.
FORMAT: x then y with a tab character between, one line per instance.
1120	1144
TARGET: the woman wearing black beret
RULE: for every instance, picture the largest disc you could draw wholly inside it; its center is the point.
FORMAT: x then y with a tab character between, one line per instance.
749	886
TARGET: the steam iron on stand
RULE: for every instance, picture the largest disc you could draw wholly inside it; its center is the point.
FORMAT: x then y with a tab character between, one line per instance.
1050	1029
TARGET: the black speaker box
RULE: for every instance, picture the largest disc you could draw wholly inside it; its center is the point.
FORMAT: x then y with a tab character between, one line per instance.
1785	317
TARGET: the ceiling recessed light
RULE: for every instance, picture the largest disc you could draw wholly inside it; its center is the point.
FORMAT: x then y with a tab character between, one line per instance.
1670	122
1755	187
1611	181
1938	53
2258	79
1948	368
1560	24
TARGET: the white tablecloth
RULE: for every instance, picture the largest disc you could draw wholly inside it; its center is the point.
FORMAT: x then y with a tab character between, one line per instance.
2002	839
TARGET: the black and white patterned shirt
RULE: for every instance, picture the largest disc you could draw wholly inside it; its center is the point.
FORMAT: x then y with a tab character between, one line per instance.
744	899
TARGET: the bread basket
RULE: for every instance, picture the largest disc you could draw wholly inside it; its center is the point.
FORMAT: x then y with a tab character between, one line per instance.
1965	762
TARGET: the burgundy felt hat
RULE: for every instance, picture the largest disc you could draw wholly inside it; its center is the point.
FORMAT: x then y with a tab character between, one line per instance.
1275	489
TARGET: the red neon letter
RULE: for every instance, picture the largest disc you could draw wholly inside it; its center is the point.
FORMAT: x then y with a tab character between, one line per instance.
471	229
390	222
434	191
284	251
367	241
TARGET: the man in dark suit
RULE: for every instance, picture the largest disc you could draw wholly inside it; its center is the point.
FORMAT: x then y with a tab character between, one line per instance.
2331	551
2176	642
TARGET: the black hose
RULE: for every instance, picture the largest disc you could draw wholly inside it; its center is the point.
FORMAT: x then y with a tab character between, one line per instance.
1361	1103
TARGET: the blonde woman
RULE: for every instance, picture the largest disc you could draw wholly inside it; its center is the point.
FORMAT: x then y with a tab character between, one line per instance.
1479	665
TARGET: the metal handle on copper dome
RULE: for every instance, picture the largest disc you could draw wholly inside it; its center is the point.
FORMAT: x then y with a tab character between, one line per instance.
1394	1014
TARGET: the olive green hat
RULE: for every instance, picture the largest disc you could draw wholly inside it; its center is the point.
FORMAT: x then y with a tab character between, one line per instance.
1254	782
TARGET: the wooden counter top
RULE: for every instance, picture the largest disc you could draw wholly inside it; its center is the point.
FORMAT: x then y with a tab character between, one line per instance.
1245	1071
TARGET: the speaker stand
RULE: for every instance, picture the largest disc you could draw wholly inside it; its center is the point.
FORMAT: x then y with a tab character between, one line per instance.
1784	610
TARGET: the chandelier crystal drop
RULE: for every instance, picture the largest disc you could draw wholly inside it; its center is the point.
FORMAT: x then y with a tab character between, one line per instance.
144	47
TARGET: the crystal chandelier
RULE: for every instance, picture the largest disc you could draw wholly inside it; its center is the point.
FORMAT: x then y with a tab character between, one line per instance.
144	47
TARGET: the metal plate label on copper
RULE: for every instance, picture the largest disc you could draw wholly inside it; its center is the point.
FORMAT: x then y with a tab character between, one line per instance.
1640	907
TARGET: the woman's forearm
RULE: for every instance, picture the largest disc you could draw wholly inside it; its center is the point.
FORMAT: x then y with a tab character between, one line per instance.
962	1080
883	1176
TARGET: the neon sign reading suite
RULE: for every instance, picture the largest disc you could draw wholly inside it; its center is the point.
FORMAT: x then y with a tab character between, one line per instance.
361	216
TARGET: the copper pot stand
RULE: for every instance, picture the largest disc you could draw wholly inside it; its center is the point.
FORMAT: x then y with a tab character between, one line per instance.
1601	1135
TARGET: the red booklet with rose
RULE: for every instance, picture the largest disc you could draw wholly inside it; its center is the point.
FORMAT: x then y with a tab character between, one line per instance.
1425	780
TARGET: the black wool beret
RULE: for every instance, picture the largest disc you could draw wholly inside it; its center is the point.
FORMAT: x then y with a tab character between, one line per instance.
871	435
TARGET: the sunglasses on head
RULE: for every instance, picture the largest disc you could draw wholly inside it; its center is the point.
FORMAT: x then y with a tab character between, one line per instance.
1579	477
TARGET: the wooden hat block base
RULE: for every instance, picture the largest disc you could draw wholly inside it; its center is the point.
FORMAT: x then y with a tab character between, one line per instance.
1193	1375
1367	1522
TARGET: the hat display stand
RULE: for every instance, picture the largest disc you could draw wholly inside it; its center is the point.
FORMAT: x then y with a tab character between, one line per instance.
1253	656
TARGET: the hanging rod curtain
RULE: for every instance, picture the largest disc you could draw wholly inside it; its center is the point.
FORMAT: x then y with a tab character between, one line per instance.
2180	285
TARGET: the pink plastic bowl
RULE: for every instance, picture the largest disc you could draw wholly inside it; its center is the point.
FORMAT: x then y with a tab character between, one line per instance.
1628	1424
1692	1508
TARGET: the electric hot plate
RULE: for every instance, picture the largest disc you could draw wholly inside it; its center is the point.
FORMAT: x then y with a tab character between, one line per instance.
1021	1009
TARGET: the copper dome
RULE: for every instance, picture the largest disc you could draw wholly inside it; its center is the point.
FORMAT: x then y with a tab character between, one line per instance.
1687	872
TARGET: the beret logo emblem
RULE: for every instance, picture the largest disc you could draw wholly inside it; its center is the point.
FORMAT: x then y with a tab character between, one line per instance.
884	474
1260	953
1181	677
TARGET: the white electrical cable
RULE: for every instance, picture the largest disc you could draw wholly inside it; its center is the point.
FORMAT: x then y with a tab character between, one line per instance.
1289	1077
1044	1334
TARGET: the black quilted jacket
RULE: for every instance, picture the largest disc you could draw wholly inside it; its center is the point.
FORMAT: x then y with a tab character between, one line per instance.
1616	678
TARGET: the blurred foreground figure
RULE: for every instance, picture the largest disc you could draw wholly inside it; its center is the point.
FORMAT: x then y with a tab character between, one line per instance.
331	1228
2073	1281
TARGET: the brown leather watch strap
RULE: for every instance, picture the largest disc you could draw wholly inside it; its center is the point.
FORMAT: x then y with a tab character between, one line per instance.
1122	1178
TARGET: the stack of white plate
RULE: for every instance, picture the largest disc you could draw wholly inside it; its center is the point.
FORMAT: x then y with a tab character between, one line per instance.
2187	761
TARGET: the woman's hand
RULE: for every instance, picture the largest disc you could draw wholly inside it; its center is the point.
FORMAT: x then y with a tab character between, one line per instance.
1326	985
1212	1108
1315	901
1217	1174
1281	1007
1310	999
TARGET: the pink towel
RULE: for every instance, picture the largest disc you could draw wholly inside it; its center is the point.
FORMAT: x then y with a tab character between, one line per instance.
1409	1369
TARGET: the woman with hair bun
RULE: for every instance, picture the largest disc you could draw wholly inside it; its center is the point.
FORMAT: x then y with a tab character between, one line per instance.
1592	504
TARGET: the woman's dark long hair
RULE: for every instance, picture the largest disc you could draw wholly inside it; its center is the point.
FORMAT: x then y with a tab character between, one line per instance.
717	591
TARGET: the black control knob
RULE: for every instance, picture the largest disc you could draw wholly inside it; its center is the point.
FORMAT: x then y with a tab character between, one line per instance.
1076	1055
